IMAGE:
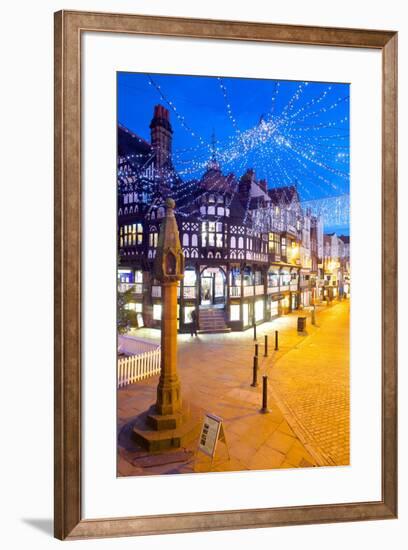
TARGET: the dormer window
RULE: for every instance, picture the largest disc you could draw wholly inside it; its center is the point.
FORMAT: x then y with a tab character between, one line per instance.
211	199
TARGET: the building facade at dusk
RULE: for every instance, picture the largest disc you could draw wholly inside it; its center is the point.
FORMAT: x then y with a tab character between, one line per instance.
251	253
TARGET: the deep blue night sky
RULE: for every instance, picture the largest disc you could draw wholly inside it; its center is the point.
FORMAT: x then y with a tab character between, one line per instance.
290	132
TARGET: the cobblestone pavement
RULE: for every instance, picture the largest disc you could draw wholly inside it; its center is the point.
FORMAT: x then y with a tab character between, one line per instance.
312	384
307	425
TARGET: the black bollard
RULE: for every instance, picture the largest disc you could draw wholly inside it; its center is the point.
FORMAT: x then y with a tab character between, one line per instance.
255	373
264	395
254	332
266	346
276	340
257	350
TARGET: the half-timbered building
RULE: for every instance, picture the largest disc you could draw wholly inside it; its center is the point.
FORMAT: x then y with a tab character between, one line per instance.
247	248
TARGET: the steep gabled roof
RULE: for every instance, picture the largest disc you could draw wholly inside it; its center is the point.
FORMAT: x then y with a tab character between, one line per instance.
131	144
283	195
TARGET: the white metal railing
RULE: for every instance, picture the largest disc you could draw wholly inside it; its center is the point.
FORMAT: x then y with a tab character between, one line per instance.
248	290
156	291
235	291
272	289
259	289
137	367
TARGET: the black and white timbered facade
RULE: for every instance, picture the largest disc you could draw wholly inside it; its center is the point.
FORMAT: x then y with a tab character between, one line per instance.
251	253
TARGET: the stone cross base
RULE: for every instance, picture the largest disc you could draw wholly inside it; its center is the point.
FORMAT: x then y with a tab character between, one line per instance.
155	432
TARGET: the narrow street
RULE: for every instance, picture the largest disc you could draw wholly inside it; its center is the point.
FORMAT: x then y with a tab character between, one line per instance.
308	423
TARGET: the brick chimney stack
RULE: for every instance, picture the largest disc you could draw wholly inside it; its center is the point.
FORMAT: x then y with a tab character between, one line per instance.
161	137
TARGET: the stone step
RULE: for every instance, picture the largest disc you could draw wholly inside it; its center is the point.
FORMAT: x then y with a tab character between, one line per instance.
213	330
212	321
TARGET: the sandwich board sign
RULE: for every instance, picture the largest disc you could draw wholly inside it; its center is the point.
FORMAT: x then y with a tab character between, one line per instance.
212	431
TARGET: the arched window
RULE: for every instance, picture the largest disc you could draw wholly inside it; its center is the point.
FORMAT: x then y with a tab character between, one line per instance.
194	240
240	242
233	242
186	240
194	254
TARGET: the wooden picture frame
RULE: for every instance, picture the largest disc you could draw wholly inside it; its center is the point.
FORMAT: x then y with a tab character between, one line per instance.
69	521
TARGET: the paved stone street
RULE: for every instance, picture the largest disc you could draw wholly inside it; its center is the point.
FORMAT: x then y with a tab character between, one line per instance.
309	398
312	385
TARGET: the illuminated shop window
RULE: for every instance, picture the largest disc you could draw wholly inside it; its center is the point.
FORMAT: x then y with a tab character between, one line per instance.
187	314
235	312
157	312
245	314
259	310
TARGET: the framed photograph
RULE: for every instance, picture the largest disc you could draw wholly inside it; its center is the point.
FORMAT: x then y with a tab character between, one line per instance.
225	275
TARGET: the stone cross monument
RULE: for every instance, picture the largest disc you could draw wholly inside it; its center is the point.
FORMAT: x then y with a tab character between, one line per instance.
166	423
169	270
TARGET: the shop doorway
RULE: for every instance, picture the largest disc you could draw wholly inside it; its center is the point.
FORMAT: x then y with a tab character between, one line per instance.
212	287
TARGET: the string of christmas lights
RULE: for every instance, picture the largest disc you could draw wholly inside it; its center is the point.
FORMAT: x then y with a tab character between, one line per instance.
289	145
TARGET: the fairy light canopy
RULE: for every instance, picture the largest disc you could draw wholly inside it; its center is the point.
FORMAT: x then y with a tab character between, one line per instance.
290	133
